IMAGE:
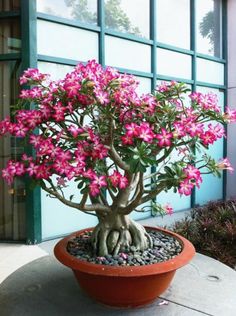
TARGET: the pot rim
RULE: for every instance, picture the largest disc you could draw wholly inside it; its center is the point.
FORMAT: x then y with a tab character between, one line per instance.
74	263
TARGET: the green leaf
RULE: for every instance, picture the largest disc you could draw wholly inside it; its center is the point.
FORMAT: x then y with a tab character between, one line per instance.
80	185
84	190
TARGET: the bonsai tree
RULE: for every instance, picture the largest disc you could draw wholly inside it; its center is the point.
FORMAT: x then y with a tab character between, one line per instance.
92	128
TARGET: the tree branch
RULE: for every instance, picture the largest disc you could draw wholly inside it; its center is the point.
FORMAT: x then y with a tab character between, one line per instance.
136	199
79	206
117	159
113	153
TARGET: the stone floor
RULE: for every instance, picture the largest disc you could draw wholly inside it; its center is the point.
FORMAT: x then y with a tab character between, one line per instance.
45	287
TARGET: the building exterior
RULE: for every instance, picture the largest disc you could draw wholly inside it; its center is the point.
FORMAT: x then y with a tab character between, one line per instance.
156	40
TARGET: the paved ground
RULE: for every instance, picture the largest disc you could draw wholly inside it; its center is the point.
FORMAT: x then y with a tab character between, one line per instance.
45	287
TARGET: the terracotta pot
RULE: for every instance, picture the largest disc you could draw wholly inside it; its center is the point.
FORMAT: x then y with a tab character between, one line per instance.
125	286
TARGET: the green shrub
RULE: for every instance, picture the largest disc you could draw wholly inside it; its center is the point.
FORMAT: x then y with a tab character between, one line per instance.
212	230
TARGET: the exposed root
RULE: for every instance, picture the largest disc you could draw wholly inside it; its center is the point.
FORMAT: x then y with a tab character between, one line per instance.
118	236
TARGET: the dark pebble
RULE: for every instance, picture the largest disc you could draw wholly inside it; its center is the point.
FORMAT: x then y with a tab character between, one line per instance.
165	248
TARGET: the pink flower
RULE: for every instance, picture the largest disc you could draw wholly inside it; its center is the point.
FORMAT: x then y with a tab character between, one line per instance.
32	169
90	174
102	97
118	180
132	129
168	209
61	181
192	173
123	182
164	139
146	133
179	130
20	130
230	115
94	189
127	139
100	181
74	130
224	164
64	155
115	178
185	187
99	151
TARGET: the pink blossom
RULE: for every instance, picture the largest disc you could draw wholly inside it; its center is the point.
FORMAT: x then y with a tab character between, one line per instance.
32	169
102	97
168	209
74	130
145	132
94	189
115	178
132	129
64	155
179	130
230	115
100	181
20	130
99	151
164	139
127	139
192	172
224	164
185	187
123	182
61	181
118	180
90	174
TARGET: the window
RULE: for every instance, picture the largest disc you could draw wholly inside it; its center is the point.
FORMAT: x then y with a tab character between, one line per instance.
209	25
10	36
81	11
130	16
173	22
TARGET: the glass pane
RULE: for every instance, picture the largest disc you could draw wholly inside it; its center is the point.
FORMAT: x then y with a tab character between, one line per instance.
127	54
176	31
203	195
128	16
10	36
66	42
12	199
9	5
66	218
173	64
56	71
210	71
84	11
144	85
209	27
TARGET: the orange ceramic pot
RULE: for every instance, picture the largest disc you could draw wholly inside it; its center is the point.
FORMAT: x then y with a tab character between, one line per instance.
124	286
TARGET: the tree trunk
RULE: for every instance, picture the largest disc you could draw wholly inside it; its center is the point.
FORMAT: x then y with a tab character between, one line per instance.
117	233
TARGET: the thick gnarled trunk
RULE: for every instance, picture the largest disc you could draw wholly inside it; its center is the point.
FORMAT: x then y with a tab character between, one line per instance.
117	233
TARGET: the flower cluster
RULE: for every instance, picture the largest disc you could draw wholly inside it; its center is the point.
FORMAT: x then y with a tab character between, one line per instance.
94	128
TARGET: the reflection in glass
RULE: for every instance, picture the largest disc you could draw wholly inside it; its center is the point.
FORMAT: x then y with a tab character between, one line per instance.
216	151
66	41
84	11
210	71
9	5
10	36
144	85
56	71
127	54
128	16
12	199
173	22
209	27
173	64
